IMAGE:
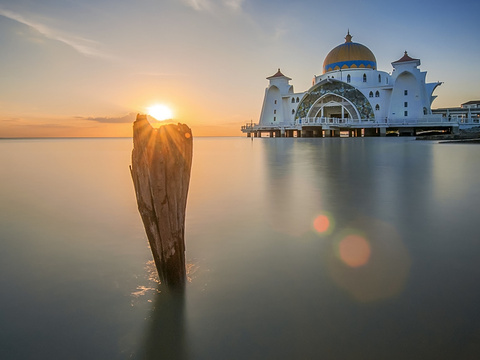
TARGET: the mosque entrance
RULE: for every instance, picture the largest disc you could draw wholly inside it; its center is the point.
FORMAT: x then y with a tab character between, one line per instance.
333	106
335	112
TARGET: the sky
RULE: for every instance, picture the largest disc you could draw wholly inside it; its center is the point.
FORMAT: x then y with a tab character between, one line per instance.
75	68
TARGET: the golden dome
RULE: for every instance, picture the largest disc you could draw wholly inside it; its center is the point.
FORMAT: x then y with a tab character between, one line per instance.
349	55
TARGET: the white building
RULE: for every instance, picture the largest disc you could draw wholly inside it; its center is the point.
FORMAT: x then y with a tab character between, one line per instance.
351	95
467	113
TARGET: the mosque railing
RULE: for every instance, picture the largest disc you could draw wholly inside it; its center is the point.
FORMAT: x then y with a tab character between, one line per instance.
428	119
332	121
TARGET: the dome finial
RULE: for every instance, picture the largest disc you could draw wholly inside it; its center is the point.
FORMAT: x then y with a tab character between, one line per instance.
348	38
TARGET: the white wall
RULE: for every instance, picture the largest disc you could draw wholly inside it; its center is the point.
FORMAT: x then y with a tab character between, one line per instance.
272	111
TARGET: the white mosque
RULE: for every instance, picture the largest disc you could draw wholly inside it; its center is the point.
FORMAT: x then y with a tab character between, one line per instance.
353	97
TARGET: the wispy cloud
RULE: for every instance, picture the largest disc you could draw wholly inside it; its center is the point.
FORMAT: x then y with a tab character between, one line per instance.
126	119
82	45
234	4
159	74
129	118
199	5
211	5
11	120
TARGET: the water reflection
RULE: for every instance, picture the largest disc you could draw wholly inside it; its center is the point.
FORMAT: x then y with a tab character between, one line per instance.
349	192
165	335
291	197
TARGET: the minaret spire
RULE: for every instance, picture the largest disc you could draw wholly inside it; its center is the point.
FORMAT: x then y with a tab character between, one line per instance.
348	38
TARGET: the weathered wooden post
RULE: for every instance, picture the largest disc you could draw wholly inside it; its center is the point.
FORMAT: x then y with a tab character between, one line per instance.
161	164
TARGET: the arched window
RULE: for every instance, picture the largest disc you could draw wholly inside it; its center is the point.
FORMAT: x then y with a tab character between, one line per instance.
298	99
364	77
274	111
377	107
379	78
293	100
293	111
425	111
377	94
275	102
348	78
371	94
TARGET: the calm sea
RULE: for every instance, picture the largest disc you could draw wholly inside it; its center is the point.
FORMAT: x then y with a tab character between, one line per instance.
361	248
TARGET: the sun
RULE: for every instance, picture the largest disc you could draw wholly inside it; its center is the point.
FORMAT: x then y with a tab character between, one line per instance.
160	112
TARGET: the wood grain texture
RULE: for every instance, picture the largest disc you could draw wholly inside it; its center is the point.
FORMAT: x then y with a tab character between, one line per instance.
161	165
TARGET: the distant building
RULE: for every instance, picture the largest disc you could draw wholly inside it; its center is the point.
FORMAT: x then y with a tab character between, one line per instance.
468	112
352	95
475	104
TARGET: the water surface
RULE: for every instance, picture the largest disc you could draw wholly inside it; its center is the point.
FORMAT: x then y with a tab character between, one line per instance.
335	248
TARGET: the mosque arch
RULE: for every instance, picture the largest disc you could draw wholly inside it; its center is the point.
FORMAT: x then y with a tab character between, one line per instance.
362	107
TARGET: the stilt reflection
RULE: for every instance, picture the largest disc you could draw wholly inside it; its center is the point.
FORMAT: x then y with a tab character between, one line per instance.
165	336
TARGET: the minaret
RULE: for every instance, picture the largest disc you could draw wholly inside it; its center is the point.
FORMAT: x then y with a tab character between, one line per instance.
272	109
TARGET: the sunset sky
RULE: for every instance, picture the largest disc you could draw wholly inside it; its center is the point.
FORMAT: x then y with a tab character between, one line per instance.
86	67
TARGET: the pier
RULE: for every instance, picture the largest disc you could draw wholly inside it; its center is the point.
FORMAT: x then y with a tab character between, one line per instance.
336	127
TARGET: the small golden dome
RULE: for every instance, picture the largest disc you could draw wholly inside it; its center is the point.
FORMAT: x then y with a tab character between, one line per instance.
349	55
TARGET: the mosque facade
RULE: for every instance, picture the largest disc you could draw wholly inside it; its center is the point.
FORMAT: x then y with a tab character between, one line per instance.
352	96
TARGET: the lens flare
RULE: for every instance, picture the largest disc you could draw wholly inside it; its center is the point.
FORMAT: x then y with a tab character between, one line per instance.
368	260
323	224
354	250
